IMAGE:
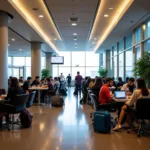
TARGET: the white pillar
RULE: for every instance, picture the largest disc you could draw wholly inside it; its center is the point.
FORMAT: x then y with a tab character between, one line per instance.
4	17
48	62
35	59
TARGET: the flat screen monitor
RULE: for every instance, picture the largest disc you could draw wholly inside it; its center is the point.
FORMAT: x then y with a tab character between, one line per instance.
57	60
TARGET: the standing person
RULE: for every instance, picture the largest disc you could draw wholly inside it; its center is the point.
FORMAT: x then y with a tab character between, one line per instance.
78	81
62	79
69	80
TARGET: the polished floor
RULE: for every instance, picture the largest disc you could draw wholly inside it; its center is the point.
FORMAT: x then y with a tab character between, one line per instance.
68	128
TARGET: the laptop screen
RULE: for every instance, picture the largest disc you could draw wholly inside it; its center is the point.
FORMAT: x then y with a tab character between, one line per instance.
120	94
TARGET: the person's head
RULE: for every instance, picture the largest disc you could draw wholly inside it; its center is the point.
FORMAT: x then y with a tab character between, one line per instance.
78	73
61	74
109	82
127	78
113	78
69	75
14	82
131	81
21	77
48	79
29	79
37	78
56	79
119	79
142	86
10	77
88	80
42	80
98	81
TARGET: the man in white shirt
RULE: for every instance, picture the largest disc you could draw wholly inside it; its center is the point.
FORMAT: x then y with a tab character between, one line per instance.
62	78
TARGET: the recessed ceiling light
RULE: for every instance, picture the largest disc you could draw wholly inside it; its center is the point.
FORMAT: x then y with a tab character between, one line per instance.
41	16
74	33
106	15
75	39
13	39
73	24
111	8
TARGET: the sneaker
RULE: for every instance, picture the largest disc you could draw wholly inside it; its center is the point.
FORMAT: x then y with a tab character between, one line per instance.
117	127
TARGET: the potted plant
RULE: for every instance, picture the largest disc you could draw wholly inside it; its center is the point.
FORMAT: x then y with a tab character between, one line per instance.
142	68
102	72
45	73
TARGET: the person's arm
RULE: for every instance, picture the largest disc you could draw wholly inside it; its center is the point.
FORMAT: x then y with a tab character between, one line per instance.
124	87
133	99
107	94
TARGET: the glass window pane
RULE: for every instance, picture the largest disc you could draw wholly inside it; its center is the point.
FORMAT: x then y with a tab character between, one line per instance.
76	69
128	41
55	72
92	59
121	63
115	67
43	61
19	61
147	30
138	53
67	58
129	63
138	35
92	71
111	67
9	61
28	71
78	59
28	61
65	71
121	45
147	46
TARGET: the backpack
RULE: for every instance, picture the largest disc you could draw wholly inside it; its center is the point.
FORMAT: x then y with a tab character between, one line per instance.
57	101
102	122
26	119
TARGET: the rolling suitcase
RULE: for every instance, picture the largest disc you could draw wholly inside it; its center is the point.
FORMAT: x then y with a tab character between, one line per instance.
102	122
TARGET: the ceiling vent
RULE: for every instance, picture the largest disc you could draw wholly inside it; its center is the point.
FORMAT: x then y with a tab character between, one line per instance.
73	19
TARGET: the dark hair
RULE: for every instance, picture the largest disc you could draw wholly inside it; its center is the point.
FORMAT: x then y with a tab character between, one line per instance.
109	80
37	77
14	82
42	79
48	79
78	72
120	79
127	78
56	78
98	82
131	79
141	85
88	81
21	77
29	78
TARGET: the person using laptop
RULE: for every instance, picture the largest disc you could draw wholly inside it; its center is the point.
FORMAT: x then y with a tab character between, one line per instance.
139	92
105	95
129	87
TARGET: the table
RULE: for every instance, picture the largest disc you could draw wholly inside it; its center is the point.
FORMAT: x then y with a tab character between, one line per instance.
38	89
122	100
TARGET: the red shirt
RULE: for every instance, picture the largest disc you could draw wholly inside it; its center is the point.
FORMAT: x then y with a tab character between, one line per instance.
104	94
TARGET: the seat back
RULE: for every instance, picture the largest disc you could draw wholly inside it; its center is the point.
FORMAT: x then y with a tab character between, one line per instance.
2	91
31	99
94	101
143	108
20	102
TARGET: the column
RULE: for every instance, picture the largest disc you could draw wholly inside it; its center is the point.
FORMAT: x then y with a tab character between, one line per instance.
36	59
4	18
48	62
108	61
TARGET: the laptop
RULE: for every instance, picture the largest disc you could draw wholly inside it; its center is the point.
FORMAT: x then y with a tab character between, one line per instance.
120	94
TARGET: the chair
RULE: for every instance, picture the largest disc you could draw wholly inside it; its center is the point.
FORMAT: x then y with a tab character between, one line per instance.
30	99
18	106
141	113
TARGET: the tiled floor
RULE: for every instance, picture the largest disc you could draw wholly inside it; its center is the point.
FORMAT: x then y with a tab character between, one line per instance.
67	128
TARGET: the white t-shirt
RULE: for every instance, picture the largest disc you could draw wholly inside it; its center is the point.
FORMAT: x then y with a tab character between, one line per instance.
136	95
62	78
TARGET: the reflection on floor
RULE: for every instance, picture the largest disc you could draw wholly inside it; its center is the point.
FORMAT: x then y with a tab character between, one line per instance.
68	128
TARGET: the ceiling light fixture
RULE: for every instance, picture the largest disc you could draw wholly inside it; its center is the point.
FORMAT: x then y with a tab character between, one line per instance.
115	17
23	10
74	24
106	15
74	33
41	16
13	39
75	39
111	8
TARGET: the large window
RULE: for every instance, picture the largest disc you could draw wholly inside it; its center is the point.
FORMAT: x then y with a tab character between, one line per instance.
147	30
138	35
129	63
121	65
147	46
115	61
128	41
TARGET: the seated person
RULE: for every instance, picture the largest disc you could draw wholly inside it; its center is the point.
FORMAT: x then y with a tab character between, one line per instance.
21	80
120	83
129	87
91	83
42	82
139	92
104	94
51	90
114	82
36	82
13	91
56	84
97	86
27	84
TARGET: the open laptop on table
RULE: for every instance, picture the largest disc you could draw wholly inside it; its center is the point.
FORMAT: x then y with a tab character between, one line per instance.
120	96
